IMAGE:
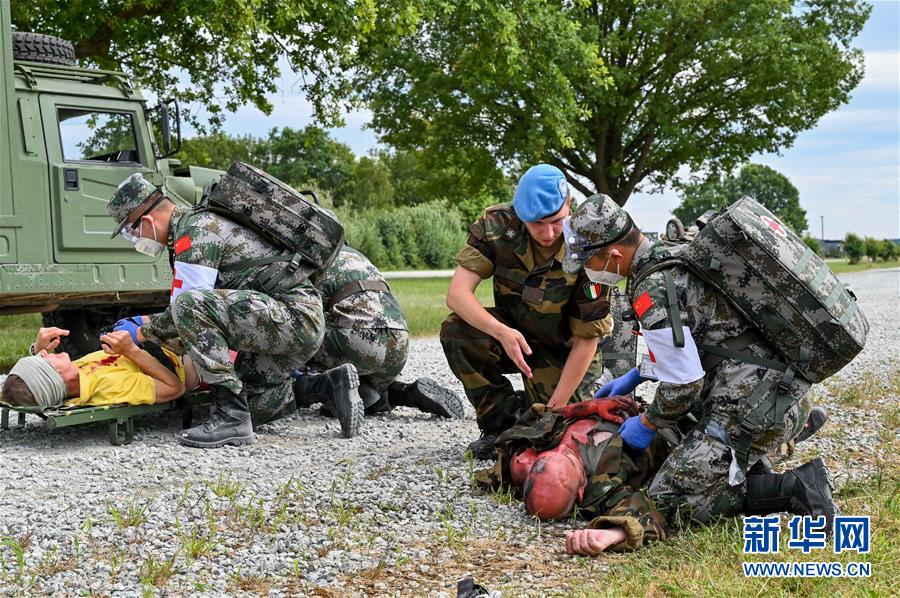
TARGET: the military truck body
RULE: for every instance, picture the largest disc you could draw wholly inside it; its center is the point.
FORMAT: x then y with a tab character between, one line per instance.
71	136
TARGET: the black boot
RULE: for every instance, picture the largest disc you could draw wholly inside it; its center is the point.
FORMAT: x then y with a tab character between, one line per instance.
814	422
805	490
229	422
483	448
426	395
337	390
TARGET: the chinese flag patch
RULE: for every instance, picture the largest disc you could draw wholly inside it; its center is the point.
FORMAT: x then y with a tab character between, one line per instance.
642	304
182	244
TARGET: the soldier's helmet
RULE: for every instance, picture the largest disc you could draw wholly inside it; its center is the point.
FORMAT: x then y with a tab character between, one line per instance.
130	194
597	222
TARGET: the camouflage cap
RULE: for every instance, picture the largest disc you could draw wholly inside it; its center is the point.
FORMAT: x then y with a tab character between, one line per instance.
597	222
130	194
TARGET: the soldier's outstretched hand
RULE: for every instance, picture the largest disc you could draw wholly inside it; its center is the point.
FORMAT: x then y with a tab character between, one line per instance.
516	347
590	542
612	409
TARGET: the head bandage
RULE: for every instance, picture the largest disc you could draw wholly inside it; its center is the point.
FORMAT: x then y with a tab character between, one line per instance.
42	379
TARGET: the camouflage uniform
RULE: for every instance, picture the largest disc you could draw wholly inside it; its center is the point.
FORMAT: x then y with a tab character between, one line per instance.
366	328
539	300
615	476
701	477
272	335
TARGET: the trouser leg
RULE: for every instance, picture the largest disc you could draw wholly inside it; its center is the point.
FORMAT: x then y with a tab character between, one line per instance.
272	339
479	362
700	478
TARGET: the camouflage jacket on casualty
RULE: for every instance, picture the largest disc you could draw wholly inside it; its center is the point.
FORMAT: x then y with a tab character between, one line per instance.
615	475
544	303
205	243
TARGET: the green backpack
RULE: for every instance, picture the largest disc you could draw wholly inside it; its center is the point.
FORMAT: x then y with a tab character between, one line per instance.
775	281
309	235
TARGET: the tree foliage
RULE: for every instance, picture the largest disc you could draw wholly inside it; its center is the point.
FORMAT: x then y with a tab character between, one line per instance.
813	243
766	185
872	248
220	55
616	93
216	150
854	247
888	250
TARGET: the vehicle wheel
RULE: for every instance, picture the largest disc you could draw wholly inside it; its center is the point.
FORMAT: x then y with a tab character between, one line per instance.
84	327
37	47
674	229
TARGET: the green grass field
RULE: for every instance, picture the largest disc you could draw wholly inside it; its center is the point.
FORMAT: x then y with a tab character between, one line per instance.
842	266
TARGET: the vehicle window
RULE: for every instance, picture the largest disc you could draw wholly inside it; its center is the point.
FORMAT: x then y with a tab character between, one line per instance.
97	136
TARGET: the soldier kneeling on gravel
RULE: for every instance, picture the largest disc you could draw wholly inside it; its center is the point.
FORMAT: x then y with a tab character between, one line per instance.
365	329
216	304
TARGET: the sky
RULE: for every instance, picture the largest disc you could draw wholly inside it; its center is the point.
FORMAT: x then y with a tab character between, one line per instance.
847	168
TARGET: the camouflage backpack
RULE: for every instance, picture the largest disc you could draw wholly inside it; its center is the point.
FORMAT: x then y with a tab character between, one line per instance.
774	280
310	235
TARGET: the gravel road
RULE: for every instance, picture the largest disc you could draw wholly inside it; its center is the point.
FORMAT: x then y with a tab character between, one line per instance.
304	511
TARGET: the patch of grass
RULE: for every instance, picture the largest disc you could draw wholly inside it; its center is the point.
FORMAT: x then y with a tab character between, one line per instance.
156	572
707	561
196	543
226	488
844	265
133	515
53	562
376	473
18	334
423	301
255	584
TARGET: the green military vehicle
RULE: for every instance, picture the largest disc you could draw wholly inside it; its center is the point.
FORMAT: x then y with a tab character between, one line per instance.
71	136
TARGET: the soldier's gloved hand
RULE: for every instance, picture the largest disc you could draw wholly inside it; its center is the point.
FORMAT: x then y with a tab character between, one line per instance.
635	434
610	409
131	326
623	385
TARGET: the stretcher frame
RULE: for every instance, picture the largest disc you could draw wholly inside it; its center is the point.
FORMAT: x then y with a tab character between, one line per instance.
120	429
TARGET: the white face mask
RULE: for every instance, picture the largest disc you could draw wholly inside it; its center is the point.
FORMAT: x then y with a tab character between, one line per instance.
604	277
150	247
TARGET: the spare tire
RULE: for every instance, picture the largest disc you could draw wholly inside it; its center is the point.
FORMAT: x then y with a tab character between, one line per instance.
37	47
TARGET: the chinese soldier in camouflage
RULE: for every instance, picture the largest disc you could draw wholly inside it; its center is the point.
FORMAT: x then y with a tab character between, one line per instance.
214	308
679	315
546	324
364	326
575	459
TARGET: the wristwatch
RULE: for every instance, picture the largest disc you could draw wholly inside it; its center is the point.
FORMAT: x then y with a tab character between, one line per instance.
31	349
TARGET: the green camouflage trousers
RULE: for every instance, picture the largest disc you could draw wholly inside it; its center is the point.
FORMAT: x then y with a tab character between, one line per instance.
479	362
272	338
379	355
693	484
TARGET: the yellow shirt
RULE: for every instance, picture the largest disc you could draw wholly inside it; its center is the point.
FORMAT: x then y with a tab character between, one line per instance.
114	379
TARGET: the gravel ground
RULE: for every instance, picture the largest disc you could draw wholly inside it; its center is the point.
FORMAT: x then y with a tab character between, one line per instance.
305	511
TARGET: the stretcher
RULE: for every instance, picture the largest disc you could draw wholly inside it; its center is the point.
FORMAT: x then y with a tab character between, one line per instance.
120	418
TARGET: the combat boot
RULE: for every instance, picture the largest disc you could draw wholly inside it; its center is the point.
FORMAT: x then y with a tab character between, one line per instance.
426	395
229	422
337	390
483	448
805	490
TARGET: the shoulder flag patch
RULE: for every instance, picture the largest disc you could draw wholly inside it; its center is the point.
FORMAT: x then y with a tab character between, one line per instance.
592	290
182	244
642	304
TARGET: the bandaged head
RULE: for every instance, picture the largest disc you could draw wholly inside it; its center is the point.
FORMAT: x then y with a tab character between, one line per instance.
42	379
554	484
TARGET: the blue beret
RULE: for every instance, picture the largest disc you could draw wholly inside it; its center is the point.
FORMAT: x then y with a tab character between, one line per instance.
540	193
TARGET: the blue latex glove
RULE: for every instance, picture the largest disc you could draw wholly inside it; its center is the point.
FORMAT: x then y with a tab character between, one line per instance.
623	385
130	325
635	434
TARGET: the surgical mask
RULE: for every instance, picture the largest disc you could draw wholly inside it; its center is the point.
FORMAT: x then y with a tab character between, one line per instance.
604	277
142	244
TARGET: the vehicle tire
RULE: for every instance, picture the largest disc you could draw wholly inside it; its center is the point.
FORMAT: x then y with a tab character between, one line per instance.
37	47
674	230
84	327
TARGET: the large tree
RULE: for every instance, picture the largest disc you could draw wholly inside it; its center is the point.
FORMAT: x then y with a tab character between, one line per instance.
218	55
616	92
766	185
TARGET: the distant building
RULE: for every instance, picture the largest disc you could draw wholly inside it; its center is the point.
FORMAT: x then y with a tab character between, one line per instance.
832	247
